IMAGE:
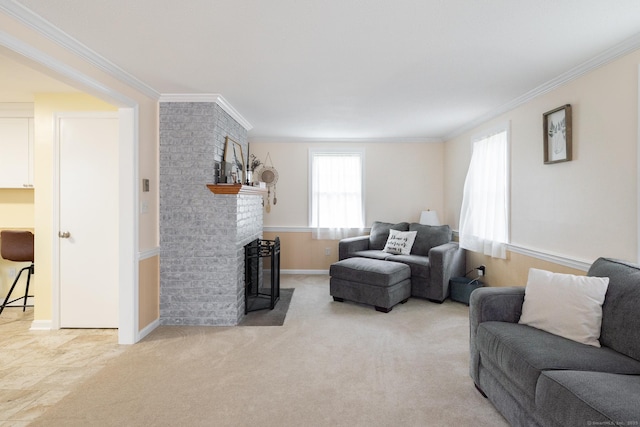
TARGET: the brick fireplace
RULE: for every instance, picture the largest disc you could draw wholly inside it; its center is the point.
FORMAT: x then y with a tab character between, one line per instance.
202	235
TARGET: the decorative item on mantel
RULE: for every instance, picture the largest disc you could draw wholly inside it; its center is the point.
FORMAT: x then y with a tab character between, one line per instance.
233	158
252	164
269	175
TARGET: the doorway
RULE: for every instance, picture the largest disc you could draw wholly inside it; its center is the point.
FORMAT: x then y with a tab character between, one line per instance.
128	220
86	263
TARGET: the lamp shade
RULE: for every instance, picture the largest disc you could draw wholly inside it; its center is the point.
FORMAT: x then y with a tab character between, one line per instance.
429	218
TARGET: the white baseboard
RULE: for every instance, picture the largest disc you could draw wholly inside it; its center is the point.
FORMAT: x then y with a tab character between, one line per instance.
148	329
47	325
41	325
268	271
304	271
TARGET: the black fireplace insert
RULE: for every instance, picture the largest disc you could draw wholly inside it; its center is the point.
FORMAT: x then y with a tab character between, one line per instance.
262	274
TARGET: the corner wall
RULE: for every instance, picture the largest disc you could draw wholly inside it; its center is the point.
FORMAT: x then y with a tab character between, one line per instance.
577	210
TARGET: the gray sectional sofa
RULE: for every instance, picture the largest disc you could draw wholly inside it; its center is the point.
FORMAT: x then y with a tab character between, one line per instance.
535	378
434	257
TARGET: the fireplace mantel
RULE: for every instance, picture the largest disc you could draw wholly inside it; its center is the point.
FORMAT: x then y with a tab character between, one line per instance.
236	189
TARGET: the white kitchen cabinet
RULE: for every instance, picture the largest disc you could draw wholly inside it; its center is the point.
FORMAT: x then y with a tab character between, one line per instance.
16	152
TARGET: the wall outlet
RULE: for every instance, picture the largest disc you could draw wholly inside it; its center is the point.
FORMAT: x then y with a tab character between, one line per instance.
327	251
12	273
481	270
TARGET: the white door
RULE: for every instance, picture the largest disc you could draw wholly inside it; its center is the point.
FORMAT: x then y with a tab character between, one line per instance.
88	220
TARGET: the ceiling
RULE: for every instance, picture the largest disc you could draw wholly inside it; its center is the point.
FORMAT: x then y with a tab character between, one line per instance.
348	69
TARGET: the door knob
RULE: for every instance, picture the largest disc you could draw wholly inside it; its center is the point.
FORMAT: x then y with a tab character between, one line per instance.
64	235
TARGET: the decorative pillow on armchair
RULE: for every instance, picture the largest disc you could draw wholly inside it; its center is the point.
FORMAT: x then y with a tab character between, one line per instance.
400	242
380	233
429	236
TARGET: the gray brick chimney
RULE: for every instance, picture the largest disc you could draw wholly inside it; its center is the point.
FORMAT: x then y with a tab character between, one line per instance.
202	235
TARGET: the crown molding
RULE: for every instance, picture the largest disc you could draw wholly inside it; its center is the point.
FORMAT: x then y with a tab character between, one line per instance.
208	97
190	97
271	140
627	46
91	85
56	35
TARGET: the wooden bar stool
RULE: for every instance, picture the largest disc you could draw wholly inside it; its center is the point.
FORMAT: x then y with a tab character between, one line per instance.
17	246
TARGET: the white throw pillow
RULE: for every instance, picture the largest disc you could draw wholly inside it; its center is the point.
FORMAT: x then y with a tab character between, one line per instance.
400	242
565	305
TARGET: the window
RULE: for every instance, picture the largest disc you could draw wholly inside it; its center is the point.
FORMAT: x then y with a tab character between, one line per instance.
484	217
335	192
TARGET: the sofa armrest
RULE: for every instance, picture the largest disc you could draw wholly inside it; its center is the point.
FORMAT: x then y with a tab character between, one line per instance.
446	261
348	246
496	304
491	304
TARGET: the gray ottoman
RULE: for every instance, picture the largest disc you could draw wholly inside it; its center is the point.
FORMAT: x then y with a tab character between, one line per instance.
382	284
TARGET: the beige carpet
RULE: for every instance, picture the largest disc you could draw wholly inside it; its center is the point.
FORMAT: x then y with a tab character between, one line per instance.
330	364
268	317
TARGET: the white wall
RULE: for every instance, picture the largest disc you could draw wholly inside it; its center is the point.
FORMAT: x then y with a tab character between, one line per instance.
401	179
580	209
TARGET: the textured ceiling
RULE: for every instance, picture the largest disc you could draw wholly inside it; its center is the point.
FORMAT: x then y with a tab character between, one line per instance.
348	69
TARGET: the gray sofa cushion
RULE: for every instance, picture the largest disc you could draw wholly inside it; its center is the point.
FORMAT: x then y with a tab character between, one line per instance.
380	233
620	321
370	271
523	352
373	254
429	236
420	265
576	398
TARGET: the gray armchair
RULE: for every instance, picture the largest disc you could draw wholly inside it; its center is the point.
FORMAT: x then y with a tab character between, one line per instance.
434	257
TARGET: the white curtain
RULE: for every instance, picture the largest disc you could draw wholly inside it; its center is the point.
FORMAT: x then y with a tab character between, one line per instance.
484	217
336	195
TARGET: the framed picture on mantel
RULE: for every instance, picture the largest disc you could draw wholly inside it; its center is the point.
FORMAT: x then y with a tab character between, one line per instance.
557	135
233	161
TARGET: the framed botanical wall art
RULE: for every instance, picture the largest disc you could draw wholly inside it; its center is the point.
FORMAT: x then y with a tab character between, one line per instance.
557	135
233	161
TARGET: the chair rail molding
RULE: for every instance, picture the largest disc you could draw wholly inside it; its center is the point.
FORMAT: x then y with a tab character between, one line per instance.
149	253
545	256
